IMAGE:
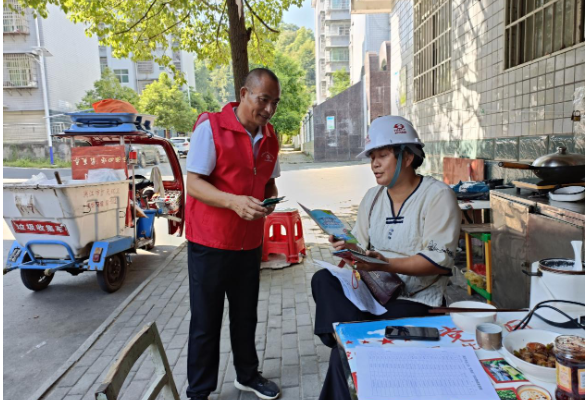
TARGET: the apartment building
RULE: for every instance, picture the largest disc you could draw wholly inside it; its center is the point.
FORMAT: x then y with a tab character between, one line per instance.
70	61
367	33
332	27
138	74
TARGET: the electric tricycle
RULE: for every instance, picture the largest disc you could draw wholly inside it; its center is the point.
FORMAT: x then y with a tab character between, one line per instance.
104	213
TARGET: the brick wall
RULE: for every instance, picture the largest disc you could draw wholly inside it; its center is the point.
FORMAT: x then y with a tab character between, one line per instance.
377	87
347	139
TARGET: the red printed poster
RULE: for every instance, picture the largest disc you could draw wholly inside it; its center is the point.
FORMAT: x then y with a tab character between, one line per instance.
86	158
40	227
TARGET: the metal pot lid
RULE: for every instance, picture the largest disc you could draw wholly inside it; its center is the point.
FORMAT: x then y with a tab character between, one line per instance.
560	266
561	158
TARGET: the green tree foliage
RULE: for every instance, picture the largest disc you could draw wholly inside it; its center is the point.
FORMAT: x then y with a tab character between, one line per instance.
218	31
298	43
203	102
217	80
292	61
164	99
287	36
108	87
341	82
202	82
221	81
294	99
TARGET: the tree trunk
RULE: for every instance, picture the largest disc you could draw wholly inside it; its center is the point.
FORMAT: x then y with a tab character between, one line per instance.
238	38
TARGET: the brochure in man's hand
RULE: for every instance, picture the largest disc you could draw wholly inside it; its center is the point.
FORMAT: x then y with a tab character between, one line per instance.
330	224
272	201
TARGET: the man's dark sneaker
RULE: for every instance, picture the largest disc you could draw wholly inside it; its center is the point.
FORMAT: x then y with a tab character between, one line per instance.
200	397
263	388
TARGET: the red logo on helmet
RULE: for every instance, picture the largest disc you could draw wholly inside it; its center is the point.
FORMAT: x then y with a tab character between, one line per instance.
399	129
367	139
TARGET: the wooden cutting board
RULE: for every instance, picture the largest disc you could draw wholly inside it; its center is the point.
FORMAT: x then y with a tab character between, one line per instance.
462	169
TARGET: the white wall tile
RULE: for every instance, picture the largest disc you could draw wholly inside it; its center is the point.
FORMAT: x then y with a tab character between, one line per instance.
569	75
527	100
559	78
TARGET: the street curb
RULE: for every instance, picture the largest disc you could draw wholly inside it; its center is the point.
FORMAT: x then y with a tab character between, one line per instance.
42	168
36	169
79	353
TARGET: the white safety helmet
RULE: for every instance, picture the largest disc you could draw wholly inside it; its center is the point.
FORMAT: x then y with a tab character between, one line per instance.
392	130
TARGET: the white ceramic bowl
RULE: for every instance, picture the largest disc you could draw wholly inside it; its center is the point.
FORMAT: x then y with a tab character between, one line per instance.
568	193
532	391
516	340
468	321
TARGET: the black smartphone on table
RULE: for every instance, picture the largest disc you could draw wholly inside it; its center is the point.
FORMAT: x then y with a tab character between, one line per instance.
411	333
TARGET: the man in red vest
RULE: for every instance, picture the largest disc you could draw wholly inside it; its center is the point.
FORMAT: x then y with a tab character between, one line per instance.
232	165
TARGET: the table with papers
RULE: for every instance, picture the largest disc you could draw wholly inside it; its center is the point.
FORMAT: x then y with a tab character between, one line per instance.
367	350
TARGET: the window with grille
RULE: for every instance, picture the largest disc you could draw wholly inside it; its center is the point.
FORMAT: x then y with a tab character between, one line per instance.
432	48
143	84
536	28
340	4
57	127
103	64
19	71
344	31
122	75
145	66
14	17
339	54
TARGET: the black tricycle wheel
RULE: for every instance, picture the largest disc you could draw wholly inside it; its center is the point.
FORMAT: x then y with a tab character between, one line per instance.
35	279
112	277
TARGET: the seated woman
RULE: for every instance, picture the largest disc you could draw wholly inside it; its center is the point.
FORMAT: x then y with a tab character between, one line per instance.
411	221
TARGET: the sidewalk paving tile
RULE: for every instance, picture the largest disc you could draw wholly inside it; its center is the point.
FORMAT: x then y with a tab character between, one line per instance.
289	352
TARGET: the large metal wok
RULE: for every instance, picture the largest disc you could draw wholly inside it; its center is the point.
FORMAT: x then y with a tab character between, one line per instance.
559	167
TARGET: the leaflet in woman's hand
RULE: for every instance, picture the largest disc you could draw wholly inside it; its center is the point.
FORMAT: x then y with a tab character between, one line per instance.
357	256
330	224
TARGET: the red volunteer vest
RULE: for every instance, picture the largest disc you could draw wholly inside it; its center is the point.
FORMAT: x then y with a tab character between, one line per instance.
238	173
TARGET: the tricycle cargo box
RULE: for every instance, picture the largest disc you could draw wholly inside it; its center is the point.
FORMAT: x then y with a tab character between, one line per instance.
77	214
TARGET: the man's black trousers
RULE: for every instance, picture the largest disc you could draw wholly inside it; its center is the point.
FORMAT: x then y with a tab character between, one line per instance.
214	273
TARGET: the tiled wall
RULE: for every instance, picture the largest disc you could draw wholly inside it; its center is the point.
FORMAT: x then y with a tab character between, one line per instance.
523	148
490	113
